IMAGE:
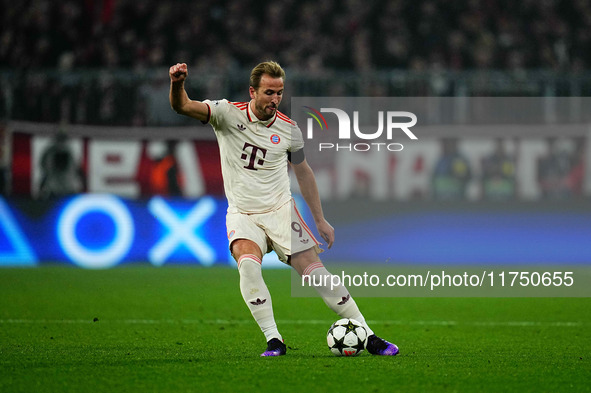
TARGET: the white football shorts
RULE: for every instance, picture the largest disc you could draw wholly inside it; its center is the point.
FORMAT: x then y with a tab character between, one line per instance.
282	230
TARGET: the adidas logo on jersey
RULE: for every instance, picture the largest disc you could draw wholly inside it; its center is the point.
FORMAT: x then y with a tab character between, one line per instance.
241	127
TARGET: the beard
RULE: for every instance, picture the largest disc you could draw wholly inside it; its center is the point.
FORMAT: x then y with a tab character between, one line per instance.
267	111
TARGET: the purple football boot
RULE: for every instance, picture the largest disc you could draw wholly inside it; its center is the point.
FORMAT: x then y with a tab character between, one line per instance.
275	348
379	346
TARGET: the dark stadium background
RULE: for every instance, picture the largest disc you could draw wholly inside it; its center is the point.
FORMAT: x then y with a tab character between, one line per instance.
93	76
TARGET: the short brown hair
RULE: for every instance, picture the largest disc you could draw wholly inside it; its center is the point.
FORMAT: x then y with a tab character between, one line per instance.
271	68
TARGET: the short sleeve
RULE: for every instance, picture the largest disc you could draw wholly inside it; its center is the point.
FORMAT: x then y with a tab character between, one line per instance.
217	110
297	140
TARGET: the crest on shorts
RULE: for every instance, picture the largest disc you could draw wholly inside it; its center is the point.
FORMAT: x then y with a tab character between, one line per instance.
232	233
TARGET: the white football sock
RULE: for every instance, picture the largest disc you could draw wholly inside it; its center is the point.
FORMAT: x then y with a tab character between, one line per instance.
338	298
256	295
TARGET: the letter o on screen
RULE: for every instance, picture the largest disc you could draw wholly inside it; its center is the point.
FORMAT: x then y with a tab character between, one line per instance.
107	256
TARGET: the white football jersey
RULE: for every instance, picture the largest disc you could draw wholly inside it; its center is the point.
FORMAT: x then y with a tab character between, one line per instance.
253	155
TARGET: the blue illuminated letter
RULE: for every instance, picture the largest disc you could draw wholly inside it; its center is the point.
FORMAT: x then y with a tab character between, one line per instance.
182	231
22	254
104	257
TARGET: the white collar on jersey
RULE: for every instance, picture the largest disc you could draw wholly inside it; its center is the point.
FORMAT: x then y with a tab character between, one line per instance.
253	119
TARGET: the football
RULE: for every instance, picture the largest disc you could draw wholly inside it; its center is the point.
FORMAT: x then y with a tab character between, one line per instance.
346	337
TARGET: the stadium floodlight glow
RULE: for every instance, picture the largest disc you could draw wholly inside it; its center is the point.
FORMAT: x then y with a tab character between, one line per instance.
182	231
112	253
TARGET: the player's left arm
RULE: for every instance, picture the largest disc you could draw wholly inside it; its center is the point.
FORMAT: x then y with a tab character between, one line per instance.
309	189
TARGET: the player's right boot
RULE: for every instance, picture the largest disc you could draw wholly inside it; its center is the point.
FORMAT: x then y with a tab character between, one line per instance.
275	347
379	346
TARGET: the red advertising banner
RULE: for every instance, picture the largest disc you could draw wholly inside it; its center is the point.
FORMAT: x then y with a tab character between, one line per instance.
44	165
135	163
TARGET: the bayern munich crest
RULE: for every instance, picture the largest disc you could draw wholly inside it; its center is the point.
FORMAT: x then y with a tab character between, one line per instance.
275	139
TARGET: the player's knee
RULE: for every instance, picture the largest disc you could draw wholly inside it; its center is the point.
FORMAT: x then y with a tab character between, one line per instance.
306	261
241	247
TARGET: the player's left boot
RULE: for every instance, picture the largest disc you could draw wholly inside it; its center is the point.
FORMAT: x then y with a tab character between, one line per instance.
275	347
379	346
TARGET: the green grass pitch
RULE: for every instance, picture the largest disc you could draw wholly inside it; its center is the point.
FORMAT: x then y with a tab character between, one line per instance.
184	329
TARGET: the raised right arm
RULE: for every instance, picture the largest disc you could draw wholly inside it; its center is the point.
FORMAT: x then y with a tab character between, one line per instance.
179	100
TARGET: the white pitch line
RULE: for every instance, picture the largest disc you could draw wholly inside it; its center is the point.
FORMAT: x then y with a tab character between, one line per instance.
296	322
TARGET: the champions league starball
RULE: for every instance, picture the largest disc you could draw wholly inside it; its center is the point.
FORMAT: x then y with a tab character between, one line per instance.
346	337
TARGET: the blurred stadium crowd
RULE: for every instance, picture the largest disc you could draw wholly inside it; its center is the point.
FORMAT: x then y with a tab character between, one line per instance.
105	62
312	36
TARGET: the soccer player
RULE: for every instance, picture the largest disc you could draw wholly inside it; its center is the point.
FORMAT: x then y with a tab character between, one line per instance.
256	142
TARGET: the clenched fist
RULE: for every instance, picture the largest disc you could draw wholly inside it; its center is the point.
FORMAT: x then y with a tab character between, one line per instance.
178	72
